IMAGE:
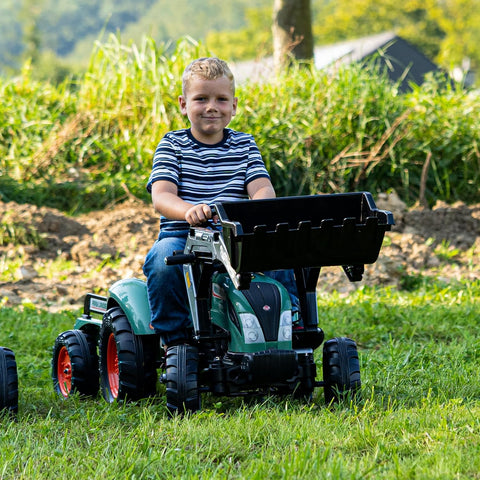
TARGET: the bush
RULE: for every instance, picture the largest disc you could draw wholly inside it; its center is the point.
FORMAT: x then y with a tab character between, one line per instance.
83	145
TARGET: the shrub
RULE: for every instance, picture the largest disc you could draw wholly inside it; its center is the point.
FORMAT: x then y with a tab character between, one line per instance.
86	145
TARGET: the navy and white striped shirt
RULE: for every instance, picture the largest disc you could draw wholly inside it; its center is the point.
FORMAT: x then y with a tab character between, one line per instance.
206	173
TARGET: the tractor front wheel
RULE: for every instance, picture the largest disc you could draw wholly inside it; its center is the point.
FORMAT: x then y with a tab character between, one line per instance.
181	373
8	381
341	370
75	364
127	364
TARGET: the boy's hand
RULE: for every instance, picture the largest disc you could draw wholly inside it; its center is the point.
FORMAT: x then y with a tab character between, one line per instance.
199	214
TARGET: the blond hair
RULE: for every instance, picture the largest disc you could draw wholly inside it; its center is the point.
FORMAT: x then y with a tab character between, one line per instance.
208	68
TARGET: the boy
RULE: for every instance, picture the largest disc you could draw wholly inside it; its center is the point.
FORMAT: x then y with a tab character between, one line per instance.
192	169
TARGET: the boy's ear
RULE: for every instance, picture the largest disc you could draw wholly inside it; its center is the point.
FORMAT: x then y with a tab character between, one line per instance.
235	104
182	101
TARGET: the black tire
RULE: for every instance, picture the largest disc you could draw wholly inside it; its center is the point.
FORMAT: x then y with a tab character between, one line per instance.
183	393
127	362
75	364
341	370
8	382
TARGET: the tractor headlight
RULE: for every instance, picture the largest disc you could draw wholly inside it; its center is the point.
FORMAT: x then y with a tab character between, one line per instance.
285	327
252	330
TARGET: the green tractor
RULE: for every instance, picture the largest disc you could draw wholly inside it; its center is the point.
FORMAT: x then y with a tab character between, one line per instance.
8	382
244	340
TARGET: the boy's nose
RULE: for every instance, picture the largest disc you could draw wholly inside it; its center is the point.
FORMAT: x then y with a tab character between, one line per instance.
211	105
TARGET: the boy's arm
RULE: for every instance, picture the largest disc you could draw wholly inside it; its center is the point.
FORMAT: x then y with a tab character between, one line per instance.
166	201
260	188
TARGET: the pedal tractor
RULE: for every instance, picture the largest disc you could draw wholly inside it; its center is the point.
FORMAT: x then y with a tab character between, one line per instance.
8	382
244	340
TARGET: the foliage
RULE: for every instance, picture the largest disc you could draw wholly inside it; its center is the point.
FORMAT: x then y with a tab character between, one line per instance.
447	32
459	20
253	41
443	128
418	417
61	35
88	143
312	125
31	113
18	233
68	30
349	129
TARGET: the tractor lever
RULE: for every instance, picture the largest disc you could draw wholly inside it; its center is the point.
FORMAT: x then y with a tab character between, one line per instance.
180	259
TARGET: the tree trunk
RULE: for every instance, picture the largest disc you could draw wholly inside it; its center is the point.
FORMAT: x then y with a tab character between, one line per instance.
292	32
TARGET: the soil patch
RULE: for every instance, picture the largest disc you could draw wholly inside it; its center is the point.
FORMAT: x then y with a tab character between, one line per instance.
90	252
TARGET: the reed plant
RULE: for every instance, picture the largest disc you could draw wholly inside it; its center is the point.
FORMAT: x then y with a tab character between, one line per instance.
442	141
85	144
320	130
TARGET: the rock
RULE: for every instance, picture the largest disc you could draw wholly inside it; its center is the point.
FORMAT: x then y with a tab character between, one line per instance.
27	272
392	202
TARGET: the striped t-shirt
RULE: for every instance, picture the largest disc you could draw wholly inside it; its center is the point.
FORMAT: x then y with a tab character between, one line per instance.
206	173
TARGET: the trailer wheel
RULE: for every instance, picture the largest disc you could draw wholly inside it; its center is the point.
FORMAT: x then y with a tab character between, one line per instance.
183	393
75	364
341	370
127	364
8	382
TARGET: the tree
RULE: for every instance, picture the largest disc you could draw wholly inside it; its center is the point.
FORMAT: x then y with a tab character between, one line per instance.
460	20
29	14
444	30
253	41
292	32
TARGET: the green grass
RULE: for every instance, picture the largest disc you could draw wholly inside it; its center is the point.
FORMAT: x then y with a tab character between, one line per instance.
419	417
18	233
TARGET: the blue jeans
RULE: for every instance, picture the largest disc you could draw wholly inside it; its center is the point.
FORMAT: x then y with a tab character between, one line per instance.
167	293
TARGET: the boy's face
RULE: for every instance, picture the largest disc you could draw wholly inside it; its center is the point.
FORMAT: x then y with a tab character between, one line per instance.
209	105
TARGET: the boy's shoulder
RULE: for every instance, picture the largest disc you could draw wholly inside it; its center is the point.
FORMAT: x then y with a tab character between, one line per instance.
177	134
235	137
237	134
176	139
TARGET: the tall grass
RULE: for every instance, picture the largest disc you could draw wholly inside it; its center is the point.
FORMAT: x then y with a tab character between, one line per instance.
316	128
83	145
443	129
419	417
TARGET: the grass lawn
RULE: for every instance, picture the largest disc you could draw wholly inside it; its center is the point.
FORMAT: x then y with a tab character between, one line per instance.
419	416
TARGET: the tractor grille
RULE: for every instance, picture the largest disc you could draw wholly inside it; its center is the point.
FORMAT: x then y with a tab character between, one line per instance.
265	300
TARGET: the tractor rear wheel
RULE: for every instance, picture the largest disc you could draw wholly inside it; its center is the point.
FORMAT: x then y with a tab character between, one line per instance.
341	370
127	362
8	382
181	373
75	364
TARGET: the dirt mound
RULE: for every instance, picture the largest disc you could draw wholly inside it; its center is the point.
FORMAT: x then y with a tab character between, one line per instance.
88	253
74	255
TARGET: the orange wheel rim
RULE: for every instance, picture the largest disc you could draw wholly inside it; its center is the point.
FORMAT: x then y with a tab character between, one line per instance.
64	372
112	366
